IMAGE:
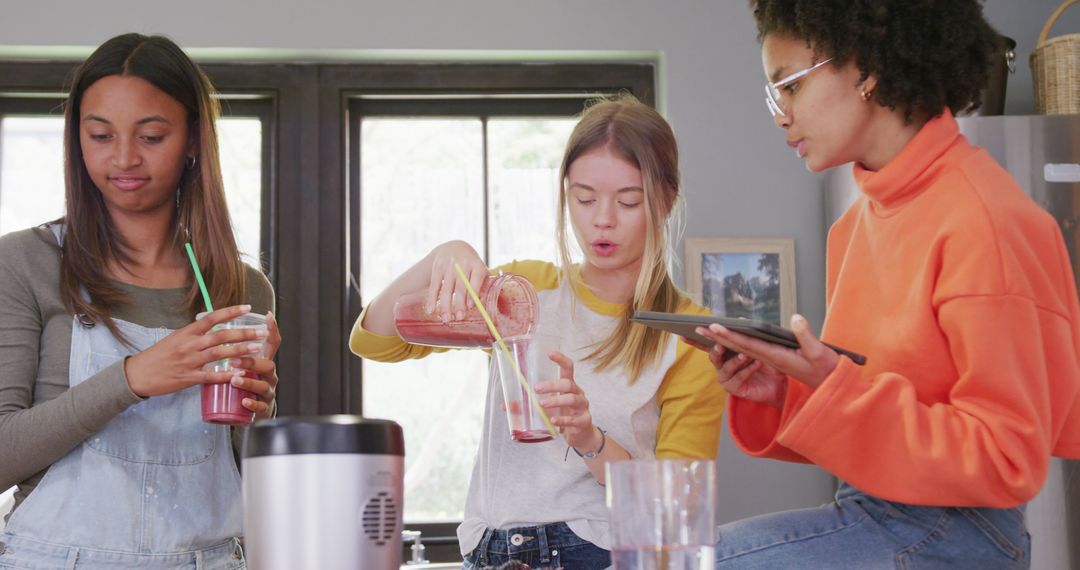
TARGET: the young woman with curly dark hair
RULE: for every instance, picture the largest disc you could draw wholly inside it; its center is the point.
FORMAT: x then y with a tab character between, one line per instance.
953	282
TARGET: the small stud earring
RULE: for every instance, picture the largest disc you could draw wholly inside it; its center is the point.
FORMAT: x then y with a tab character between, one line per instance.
866	94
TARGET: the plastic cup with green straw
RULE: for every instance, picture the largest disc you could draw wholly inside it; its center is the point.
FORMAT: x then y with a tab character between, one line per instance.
199	278
506	351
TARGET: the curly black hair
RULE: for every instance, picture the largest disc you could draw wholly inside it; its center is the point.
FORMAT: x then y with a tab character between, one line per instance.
926	54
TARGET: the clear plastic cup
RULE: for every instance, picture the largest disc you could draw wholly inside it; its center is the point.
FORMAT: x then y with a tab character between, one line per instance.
223	403
509	299
662	513
530	353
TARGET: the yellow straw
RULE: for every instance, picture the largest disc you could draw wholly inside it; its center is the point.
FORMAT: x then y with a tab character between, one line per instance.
506	351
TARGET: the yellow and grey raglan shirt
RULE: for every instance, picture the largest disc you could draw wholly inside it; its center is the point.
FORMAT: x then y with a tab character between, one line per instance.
672	410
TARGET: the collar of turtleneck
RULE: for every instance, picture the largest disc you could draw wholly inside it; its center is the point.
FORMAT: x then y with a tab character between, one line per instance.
909	172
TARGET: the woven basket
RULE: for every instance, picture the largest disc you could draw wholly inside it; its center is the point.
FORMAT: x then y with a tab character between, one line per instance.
1055	69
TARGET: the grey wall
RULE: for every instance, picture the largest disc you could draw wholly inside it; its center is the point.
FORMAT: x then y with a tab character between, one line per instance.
740	178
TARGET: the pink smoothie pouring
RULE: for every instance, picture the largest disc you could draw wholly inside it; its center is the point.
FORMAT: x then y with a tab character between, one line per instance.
510	300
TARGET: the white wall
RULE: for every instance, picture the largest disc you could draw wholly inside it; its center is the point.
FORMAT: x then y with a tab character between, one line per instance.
740	178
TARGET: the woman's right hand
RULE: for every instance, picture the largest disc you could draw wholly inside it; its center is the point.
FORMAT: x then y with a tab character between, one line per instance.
446	294
177	361
744	377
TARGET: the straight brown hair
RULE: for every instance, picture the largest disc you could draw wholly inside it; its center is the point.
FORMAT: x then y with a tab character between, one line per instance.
638	134
91	239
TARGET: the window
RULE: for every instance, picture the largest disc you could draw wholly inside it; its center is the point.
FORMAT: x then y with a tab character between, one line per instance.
31	170
490	181
438	156
32	160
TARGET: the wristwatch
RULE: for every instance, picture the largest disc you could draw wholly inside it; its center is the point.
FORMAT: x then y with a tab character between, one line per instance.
593	454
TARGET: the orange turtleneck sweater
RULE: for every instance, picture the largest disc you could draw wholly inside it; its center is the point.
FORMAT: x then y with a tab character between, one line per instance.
958	288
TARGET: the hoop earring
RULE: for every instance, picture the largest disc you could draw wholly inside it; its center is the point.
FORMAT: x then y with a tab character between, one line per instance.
191	161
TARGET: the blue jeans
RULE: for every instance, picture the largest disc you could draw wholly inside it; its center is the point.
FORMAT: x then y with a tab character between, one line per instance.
546	546
865	532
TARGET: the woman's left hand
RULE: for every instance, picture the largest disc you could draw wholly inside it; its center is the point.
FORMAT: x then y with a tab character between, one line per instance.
260	373
566	404
810	364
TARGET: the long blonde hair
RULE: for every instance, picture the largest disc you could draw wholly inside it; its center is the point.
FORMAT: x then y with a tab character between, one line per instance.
202	217
638	134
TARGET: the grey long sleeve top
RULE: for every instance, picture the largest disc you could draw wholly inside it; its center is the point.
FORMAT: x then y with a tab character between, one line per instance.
42	418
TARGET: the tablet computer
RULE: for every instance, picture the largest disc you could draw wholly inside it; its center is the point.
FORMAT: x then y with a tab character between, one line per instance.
684	325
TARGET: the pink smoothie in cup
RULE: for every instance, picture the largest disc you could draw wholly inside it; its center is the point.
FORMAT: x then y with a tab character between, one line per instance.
223	403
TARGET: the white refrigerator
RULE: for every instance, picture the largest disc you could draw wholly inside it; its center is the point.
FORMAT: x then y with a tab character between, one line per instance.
1043	154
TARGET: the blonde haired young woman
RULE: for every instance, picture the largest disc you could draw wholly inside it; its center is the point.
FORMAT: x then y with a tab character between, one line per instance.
625	391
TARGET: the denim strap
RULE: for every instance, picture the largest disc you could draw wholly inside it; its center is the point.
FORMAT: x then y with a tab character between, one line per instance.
542	537
483	548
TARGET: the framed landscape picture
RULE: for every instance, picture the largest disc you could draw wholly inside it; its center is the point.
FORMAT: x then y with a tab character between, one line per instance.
743	277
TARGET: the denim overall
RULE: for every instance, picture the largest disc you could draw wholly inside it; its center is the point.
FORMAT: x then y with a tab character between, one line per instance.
155	488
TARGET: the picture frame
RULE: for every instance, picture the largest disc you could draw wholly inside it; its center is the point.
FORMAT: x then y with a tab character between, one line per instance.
752	278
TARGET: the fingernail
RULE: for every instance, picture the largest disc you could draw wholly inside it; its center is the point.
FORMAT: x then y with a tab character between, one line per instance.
460	315
798	322
235	362
445	317
260	333
254	347
245	308
741	357
237	381
269	315
248	402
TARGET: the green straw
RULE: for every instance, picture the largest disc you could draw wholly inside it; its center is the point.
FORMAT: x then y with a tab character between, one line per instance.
506	351
198	277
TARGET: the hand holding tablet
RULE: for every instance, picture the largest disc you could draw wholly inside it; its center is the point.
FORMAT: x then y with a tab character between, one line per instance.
685	325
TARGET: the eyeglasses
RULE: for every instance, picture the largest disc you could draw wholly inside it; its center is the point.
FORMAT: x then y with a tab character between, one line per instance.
774	100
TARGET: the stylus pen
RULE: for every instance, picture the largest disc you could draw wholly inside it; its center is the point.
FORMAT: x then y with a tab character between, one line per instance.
854	356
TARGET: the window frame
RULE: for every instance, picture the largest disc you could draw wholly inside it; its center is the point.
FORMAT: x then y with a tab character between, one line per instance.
448	90
454	90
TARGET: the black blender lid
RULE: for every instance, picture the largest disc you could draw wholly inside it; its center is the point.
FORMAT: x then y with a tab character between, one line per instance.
323	434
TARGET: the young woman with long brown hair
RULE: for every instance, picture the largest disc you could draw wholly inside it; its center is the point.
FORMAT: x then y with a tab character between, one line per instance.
625	391
100	424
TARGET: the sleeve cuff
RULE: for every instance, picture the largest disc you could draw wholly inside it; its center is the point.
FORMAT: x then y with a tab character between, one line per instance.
124	392
367	344
798	430
753	426
102	396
